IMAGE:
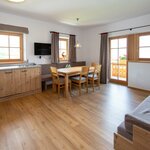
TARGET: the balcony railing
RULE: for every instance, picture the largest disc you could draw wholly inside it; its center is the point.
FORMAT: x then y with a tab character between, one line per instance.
119	70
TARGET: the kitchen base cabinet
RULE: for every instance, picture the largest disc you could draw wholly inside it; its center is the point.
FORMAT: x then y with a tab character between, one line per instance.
6	83
19	82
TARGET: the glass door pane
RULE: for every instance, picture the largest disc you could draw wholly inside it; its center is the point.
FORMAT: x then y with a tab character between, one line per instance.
114	62
122	64
114	43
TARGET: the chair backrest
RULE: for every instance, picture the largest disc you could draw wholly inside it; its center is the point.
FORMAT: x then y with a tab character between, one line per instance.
84	71
98	68
93	64
54	73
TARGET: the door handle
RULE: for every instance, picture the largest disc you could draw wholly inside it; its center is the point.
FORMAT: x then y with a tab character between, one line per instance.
8	72
24	71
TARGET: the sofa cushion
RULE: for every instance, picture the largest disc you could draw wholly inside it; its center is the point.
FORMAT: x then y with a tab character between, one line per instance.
78	78
91	76
140	117
122	131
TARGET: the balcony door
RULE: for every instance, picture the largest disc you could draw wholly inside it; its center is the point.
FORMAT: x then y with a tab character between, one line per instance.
118	60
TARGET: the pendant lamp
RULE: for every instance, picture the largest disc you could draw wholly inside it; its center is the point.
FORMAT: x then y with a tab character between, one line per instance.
77	45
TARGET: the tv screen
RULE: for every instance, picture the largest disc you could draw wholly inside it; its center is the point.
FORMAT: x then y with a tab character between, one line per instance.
42	49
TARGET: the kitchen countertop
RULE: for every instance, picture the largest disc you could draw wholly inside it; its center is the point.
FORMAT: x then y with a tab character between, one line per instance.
11	67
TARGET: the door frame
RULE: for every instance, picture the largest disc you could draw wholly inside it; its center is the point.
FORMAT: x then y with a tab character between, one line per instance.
115	80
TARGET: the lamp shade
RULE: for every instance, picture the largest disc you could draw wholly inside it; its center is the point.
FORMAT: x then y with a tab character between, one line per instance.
78	45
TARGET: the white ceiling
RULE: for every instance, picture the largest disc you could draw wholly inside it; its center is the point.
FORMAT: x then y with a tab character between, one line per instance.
90	12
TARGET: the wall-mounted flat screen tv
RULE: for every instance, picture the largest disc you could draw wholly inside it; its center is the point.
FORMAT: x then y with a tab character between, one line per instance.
42	49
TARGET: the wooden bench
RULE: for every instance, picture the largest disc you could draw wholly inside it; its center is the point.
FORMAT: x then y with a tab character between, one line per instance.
46	76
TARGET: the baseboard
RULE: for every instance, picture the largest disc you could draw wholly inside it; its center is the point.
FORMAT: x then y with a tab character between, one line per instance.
139	89
10	97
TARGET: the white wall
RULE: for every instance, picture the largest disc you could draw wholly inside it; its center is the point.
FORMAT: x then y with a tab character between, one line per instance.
91	38
39	31
88	36
91	46
139	75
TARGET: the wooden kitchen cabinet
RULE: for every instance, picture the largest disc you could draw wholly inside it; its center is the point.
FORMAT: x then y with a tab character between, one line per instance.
6	83
17	81
20	81
1	83
25	80
35	79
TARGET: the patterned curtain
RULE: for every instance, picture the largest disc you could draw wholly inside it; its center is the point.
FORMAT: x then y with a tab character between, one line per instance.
54	47
72	48
104	58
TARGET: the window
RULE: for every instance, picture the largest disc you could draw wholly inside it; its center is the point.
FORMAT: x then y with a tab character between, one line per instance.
11	47
144	46
63	49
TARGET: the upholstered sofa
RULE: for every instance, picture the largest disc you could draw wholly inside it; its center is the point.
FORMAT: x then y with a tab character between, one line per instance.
134	132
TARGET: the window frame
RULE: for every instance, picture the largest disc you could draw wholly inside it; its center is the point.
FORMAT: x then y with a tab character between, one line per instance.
138	42
3	61
67	48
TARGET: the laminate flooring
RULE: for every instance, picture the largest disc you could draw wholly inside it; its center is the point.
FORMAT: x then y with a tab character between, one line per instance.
45	122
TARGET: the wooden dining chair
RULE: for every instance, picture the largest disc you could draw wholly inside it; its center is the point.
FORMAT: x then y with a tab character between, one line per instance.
95	76
81	79
93	64
58	81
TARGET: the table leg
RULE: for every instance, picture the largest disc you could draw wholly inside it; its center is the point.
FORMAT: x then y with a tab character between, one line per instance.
66	86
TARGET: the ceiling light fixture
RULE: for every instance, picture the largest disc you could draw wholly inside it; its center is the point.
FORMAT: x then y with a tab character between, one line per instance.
77	45
16	1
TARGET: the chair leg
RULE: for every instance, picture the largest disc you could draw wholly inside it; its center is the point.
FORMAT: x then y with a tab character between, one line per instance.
80	89
93	85
83	85
87	86
58	90
53	87
98	83
45	86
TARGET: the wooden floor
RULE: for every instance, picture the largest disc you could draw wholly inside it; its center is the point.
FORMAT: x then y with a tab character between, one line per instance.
44	122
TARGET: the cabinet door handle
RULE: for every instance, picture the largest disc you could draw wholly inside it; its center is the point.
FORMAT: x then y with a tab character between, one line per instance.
7	72
24	71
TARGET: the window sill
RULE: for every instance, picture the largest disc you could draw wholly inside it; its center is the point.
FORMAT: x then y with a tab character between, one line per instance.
11	62
140	61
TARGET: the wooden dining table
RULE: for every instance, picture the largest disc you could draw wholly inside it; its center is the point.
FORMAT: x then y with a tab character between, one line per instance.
67	72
